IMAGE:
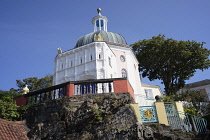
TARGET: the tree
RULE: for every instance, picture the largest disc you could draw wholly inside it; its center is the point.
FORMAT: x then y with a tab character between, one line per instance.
194	102
170	61
8	108
34	83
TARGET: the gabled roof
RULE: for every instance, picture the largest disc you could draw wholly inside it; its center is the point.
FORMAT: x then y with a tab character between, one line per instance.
10	130
198	84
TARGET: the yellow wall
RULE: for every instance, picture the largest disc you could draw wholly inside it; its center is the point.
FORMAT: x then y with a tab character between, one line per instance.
161	113
136	109
180	108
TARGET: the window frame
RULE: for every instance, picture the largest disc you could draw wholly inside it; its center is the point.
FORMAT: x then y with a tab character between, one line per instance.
124	73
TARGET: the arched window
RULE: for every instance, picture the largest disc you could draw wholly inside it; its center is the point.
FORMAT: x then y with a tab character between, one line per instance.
122	58
99	56
124	73
91	57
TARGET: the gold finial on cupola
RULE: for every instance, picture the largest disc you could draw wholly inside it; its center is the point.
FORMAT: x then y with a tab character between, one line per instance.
99	11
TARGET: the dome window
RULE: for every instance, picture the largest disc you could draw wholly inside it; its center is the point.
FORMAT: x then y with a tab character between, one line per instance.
99	23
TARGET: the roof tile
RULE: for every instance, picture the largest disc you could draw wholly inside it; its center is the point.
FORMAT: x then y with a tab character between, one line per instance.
10	130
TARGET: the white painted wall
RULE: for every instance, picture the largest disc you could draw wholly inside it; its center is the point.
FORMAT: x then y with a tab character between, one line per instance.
155	90
130	64
91	61
76	64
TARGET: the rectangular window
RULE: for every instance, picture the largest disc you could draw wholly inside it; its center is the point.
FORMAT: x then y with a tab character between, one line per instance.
110	63
71	64
91	57
148	93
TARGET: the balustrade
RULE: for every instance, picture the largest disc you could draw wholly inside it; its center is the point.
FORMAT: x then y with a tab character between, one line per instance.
76	88
93	87
46	94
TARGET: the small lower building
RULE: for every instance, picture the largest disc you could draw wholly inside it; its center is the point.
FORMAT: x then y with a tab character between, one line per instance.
201	86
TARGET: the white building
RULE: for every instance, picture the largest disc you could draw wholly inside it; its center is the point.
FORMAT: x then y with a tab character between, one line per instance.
99	55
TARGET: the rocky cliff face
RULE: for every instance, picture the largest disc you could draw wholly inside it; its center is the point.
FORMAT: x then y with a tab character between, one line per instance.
88	117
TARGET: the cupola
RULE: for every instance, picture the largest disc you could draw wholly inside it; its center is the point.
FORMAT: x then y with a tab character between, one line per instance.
99	22
100	33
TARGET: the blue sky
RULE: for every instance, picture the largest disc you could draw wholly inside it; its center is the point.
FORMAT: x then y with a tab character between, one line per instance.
31	31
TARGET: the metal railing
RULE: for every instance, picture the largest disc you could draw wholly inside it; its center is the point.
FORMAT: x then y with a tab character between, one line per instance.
169	105
80	87
186	122
200	123
142	100
50	93
178	119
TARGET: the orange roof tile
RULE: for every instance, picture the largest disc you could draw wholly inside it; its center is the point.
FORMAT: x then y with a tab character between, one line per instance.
10	130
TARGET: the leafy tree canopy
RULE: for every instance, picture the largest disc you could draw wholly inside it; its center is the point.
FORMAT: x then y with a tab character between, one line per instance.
8	108
170	61
34	83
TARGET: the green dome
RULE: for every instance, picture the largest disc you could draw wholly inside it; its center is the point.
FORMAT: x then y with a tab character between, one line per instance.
101	36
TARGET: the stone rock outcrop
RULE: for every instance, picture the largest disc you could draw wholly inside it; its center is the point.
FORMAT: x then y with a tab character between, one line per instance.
90	117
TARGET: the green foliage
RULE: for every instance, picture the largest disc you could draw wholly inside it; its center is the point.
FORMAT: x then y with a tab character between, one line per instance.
98	114
34	83
190	110
194	97
170	60
8	108
190	96
22	111
168	98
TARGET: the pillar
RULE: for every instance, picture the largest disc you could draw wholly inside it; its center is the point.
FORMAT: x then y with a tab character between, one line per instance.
69	90
179	106
137	112
20	101
123	86
161	113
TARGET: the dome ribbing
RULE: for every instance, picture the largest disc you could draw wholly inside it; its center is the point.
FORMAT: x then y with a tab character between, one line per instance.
101	36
